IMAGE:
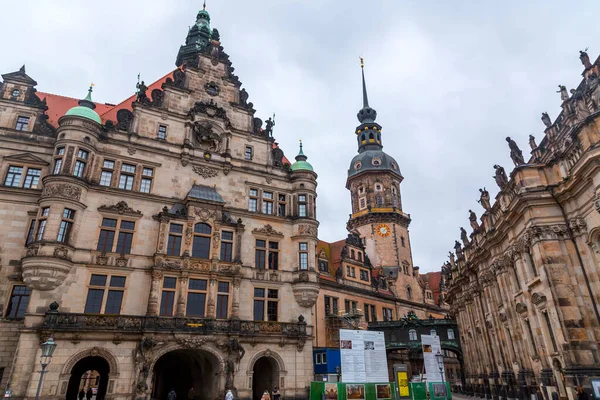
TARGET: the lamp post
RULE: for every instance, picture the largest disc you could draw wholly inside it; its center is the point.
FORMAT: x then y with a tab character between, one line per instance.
439	357
48	348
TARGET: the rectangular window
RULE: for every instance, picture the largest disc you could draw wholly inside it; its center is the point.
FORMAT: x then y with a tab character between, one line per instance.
22	123
126	178
32	178
114	299
271	301
362	203
259	254
162	132
302	205
31	232
17	305
226	246
387	314
324	358
108	167
324	266
350	272
42	223
318	358
331	305
367	313
364	275
147	174
327	305
370	313
82	154
65	225
281	206
79	169
272	305
57	166
267	203
201	247
334	305
274	255
13	177
222	299
253	201
303	255
248	153
174	242
167	300
125	237
196	299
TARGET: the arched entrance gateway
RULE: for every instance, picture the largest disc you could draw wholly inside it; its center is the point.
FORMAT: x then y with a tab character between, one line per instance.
265	376
183	370
89	373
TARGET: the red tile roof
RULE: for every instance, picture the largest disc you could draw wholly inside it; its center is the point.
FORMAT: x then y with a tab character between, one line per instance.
434	279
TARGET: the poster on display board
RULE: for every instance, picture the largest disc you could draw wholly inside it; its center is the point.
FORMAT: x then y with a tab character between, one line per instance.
431	347
363	356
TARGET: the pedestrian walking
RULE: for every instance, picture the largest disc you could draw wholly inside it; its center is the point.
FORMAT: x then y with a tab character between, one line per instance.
265	396
276	394
81	394
172	395
191	393
581	394
89	394
229	395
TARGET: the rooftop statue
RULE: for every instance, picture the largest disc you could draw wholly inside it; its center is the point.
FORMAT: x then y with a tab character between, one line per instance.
564	96
473	220
463	236
546	120
585	58
500	177
532	142
515	153
484	199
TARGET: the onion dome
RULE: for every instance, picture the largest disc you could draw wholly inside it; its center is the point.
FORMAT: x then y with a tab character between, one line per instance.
85	109
301	164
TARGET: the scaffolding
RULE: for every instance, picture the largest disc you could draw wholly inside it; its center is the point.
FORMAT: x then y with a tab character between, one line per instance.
334	321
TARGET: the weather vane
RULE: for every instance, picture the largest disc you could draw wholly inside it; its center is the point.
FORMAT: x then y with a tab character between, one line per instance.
362	62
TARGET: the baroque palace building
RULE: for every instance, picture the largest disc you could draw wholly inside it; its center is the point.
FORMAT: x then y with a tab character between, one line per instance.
368	280
524	285
164	242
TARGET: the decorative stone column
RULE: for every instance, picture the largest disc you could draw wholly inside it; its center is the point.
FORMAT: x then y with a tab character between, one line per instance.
211	309
153	298
181	298
235	298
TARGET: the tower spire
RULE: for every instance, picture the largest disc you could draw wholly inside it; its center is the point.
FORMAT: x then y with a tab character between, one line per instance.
364	85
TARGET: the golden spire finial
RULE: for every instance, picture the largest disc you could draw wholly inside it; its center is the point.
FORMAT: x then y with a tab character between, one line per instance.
92	84
362	62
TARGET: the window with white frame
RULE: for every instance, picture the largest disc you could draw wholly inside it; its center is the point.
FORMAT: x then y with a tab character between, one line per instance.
66	224
108	169
303	255
58	160
80	163
146	185
127	176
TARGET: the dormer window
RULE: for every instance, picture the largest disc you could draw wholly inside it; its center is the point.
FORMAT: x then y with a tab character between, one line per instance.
376	162
352	254
16	93
22	123
162	132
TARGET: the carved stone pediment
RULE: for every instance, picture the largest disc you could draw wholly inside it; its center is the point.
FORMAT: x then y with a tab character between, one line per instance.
538	299
521	308
205	172
62	190
26	158
267	230
120	208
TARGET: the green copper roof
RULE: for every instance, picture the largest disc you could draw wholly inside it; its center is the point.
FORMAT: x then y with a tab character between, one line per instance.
85	109
301	163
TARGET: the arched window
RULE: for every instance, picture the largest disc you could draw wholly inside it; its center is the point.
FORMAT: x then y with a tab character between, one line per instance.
450	333
408	293
363	137
359	256
433	332
352	255
201	245
371	137
379	200
412	334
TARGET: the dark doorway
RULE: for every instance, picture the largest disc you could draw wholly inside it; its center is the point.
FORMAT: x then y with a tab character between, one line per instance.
264	377
89	373
183	370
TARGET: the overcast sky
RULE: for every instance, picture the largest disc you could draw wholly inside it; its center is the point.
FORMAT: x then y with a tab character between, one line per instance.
449	80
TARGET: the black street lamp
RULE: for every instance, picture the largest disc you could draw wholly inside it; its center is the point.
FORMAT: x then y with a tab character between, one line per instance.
48	348
439	357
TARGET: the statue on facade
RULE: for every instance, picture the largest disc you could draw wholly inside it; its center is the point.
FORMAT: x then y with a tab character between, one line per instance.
564	96
243	97
205	135
532	142
515	153
270	123
546	120
457	247
593	90
500	177
141	93
463	236
579	106
585	58
452	258
473	221
484	199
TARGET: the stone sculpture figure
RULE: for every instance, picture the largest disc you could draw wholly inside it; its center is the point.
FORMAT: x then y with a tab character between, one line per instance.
270	123
457	247
484	199
585	58
515	153
546	120
532	142
141	93
473	220
243	97
564	96
500	177
463	236
579	106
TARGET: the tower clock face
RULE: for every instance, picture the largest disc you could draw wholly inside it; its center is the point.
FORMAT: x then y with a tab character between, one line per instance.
383	230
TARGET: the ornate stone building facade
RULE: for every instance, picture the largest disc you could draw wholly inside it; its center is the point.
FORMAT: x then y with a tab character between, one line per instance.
165	242
524	285
368	280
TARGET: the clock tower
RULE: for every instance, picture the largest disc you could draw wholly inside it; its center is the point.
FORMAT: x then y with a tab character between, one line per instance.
374	180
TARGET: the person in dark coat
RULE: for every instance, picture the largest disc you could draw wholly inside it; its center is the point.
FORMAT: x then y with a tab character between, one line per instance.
81	394
172	395
581	394
89	394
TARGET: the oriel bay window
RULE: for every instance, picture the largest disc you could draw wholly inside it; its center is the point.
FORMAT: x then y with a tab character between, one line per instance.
222	300
167	298
96	302
17	305
266	304
58	160
196	298
201	244
65	225
303	255
43	219
302	205
226	245
127	176
80	163
109	231
174	242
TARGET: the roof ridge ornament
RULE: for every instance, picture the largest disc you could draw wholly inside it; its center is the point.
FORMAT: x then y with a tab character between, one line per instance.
366	114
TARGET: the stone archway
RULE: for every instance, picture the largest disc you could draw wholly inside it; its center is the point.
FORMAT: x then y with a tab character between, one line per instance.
185	369
89	358
266	369
90	373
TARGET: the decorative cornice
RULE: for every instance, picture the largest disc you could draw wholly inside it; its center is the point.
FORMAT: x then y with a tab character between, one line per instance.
267	230
538	299
120	208
548	232
578	226
205	172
